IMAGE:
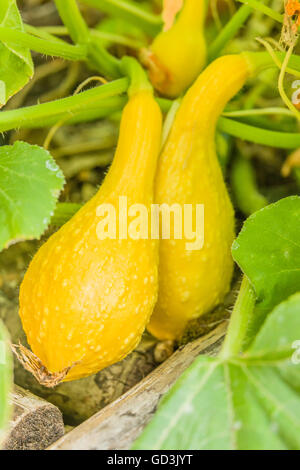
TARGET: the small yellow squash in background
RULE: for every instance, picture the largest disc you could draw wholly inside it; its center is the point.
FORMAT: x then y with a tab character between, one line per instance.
177	56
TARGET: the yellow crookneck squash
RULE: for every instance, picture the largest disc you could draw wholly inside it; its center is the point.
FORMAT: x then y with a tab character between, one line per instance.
192	282
177	55
85	302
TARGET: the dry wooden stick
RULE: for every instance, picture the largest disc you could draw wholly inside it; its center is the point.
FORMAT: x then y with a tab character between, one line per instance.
35	424
119	424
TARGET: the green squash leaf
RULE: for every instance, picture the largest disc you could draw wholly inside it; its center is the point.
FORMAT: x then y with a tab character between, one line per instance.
187	417
6	366
248	402
280	332
268	252
16	67
30	183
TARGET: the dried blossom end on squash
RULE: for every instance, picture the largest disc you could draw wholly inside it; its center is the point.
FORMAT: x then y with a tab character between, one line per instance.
34	365
159	75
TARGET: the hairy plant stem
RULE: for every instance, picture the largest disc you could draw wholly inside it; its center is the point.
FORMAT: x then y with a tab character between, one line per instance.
102	35
259	6
92	104
281	89
136	74
260	61
244	186
281	61
240	319
102	60
100	100
42	33
104	100
258	112
47	47
70	14
296	174
228	32
284	140
131	12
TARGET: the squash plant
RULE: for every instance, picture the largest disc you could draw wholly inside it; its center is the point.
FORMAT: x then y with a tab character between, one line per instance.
225	402
248	396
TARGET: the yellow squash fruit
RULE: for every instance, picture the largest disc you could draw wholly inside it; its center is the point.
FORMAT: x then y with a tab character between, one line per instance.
177	55
192	282
85	302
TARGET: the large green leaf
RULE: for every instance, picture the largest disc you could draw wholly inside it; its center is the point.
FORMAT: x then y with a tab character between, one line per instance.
244	402
5	380
30	183
16	67
187	417
268	252
280	331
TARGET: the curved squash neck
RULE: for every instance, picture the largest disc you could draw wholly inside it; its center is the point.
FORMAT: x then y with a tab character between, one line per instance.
206	99
133	169
192	14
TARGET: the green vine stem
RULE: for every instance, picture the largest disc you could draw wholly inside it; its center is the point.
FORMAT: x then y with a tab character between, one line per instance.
260	61
70	14
101	35
103	61
98	100
244	186
296	174
228	32
224	150
131	12
95	104
236	22
288	124
102	101
284	140
281	89
42	33
258	112
53	48
259	6
239	321
136	74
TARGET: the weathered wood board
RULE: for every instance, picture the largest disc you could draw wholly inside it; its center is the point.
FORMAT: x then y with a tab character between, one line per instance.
118	425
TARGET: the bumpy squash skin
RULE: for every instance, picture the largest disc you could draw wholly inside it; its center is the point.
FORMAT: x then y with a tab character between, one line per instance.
191	283
84	301
177	56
